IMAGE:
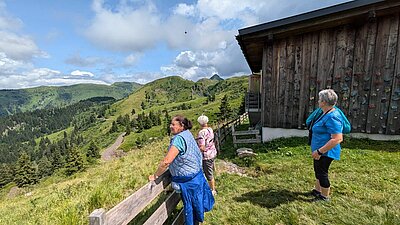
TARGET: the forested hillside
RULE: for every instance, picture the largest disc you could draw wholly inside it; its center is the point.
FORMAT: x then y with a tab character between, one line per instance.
65	140
22	100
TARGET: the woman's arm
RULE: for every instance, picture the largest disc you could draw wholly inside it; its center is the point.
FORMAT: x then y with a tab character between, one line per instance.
335	139
164	164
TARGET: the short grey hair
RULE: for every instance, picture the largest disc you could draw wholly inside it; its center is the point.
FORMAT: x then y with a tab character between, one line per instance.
202	120
329	96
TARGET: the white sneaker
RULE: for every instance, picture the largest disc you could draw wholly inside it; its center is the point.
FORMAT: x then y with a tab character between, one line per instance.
214	192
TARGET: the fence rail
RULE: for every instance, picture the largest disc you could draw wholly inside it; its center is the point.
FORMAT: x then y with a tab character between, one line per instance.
225	130
129	208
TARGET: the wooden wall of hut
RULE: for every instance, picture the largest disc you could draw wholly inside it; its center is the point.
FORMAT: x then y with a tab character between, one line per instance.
361	62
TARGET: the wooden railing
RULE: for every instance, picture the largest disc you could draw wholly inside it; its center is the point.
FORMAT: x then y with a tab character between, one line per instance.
129	208
225	130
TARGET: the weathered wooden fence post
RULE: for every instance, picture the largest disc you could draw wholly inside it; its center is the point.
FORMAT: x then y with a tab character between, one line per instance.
98	217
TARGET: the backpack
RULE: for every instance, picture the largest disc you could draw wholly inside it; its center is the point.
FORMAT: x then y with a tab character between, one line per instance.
318	112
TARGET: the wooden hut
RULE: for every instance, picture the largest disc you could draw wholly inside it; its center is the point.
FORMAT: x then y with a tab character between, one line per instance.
353	48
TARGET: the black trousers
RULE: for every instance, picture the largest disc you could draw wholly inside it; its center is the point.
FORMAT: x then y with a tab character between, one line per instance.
321	168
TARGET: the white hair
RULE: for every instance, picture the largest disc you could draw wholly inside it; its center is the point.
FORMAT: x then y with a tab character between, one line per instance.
202	119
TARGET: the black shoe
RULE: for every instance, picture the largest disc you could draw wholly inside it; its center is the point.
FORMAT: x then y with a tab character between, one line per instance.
314	193
321	198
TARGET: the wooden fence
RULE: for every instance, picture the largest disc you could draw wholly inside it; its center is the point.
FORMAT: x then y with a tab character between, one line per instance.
130	207
225	130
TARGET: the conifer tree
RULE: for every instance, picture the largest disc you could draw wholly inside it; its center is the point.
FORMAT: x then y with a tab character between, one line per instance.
133	112
127	130
45	168
74	162
25	172
93	151
6	174
114	127
167	121
225	110
57	159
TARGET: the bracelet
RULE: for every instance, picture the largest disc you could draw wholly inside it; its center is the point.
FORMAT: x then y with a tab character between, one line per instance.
319	152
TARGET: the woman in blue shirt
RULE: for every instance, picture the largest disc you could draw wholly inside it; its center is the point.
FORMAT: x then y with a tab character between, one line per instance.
325	143
184	161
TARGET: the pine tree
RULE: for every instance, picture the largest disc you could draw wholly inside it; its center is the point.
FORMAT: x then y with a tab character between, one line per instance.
225	110
127	130
25	172
133	112
74	162
167	122
45	168
93	151
242	107
6	174
114	127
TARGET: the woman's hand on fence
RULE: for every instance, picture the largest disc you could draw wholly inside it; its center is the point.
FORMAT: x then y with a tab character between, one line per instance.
152	177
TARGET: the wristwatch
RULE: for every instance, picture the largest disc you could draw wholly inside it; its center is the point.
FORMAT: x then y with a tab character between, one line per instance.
319	152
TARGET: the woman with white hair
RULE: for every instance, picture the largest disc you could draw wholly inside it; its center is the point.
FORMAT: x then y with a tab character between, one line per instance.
325	143
205	140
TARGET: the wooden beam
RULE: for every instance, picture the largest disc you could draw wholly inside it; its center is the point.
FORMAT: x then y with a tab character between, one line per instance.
125	211
97	217
165	209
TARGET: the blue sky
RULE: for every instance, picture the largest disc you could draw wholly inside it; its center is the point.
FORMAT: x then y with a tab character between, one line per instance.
81	41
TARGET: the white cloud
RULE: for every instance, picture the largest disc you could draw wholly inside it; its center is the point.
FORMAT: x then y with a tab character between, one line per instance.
19	47
126	29
132	59
185	10
79	73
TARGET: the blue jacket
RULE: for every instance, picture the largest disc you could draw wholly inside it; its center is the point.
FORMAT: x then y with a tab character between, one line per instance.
196	196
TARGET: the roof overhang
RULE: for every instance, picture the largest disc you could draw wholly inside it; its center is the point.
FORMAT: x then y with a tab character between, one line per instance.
252	39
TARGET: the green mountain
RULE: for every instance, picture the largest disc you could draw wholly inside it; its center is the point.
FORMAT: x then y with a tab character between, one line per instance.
72	149
216	77
21	100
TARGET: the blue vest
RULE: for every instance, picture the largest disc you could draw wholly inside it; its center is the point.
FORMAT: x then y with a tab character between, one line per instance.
190	162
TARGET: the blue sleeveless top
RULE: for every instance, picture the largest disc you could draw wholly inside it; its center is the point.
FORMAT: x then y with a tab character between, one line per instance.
188	162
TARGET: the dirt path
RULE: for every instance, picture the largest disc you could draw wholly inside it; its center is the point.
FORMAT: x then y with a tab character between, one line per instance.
111	152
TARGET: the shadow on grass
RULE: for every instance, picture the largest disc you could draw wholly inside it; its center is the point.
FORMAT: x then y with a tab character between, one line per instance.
272	198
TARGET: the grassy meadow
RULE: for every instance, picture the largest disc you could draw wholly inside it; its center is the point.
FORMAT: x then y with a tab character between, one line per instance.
272	189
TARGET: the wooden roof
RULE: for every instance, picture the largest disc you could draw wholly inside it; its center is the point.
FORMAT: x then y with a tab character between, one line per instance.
252	39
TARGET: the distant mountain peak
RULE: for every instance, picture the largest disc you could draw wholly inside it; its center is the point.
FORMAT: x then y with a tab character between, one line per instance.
216	77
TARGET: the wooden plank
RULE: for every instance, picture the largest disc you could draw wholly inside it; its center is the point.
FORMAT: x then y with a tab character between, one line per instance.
305	81
281	84
375	119
125	211
165	209
289	81
267	76
245	132
97	217
359	71
346	81
326	60
274	86
389	74
243	141
313	97
180	219
340	53
393	123
297	80
367	78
